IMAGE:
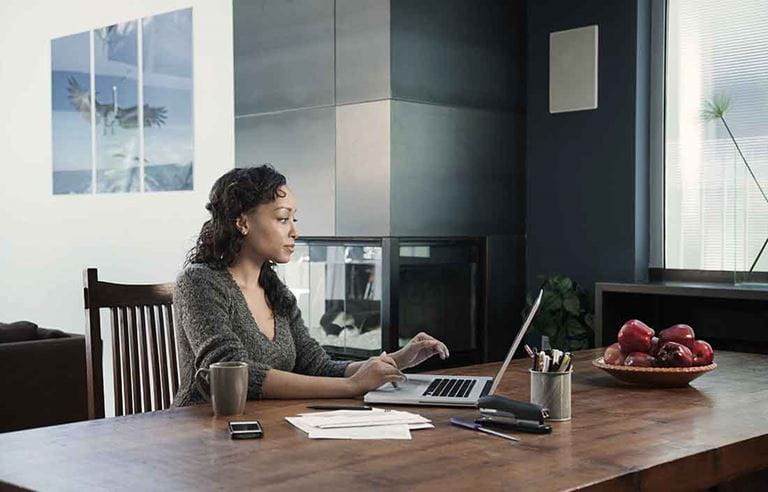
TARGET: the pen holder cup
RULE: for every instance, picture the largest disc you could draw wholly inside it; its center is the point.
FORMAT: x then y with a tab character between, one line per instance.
552	390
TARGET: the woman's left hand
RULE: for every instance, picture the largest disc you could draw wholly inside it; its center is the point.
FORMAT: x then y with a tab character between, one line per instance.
420	348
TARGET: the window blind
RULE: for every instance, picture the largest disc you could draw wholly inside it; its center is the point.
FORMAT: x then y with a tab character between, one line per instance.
715	216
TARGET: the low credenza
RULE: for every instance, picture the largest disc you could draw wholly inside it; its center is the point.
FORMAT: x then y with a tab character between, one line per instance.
730	317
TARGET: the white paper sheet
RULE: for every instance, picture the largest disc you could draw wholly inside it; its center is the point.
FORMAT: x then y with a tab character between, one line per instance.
303	426
361	418
378	432
298	422
415	427
359	424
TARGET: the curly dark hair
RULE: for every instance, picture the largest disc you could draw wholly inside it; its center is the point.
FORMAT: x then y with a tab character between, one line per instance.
237	192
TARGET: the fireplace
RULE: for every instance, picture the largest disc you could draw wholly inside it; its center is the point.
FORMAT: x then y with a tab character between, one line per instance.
360	297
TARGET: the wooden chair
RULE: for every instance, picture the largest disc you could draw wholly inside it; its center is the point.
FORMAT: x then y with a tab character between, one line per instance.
145	369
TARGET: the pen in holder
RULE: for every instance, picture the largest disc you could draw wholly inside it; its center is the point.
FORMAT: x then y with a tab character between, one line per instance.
552	390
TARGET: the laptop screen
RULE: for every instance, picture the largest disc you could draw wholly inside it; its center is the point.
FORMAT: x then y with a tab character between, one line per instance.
518	339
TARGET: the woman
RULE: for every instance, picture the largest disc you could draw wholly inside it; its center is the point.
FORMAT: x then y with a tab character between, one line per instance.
230	304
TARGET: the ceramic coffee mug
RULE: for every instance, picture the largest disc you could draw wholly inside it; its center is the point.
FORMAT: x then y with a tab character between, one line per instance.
228	383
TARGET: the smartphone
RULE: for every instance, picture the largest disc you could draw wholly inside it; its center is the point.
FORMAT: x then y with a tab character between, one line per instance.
247	429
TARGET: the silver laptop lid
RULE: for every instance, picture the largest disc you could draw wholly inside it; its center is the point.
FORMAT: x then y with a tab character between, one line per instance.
518	339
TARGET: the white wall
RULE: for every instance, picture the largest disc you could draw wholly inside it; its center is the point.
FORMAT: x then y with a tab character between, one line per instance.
45	240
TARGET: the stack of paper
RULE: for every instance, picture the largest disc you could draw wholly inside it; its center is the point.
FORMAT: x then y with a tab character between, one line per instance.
360	424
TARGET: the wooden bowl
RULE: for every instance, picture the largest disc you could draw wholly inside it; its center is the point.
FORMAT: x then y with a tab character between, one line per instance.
656	377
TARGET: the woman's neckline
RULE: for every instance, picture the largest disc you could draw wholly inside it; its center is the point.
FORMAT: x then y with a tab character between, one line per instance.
248	309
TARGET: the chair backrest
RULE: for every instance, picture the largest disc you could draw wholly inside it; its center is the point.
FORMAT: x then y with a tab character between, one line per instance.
144	362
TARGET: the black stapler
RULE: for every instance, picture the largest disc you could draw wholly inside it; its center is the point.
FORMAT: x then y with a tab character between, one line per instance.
498	411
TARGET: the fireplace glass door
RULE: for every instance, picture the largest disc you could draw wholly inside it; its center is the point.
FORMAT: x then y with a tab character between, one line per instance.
359	297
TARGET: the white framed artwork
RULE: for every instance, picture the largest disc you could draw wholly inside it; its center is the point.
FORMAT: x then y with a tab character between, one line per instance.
573	70
122	115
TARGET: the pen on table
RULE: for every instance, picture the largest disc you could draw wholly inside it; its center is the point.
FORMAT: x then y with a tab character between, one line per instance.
327	406
478	427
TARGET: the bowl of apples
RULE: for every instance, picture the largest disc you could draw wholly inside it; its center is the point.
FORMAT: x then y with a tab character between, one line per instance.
674	358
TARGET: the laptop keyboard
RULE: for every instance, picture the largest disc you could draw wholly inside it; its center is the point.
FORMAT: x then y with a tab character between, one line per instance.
454	388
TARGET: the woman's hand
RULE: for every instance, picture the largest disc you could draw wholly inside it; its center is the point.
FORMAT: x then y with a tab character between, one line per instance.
375	372
420	348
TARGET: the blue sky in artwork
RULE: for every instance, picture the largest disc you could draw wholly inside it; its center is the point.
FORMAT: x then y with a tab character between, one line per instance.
71	129
167	57
71	53
167	44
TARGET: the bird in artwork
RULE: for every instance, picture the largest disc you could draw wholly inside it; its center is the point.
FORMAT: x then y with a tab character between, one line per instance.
107	114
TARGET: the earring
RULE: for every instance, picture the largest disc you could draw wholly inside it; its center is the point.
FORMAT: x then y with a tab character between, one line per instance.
243	232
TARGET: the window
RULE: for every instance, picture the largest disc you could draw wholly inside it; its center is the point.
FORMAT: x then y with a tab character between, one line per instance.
715	216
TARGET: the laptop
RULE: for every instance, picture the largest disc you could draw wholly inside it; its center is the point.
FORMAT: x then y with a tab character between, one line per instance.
442	390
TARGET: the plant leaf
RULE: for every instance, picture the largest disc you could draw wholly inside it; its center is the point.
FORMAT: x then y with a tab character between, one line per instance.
578	343
576	327
716	107
559	341
572	305
564	315
545	324
551	301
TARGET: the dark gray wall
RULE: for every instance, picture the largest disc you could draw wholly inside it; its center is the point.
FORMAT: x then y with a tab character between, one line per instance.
455	171
459	52
457	166
458	116
284	55
285	94
362	50
587	171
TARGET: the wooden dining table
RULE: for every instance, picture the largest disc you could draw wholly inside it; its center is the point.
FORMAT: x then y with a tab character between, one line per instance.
620	437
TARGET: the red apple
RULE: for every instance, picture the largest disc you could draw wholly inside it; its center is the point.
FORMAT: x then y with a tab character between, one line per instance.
640	359
635	336
655	344
613	355
682	334
673	354
702	353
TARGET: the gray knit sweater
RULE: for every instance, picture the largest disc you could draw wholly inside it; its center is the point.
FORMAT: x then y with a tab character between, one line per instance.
214	324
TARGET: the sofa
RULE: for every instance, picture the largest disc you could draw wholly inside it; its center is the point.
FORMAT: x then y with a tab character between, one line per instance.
42	377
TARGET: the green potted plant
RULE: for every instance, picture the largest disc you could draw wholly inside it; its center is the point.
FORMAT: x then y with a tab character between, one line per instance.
564	316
